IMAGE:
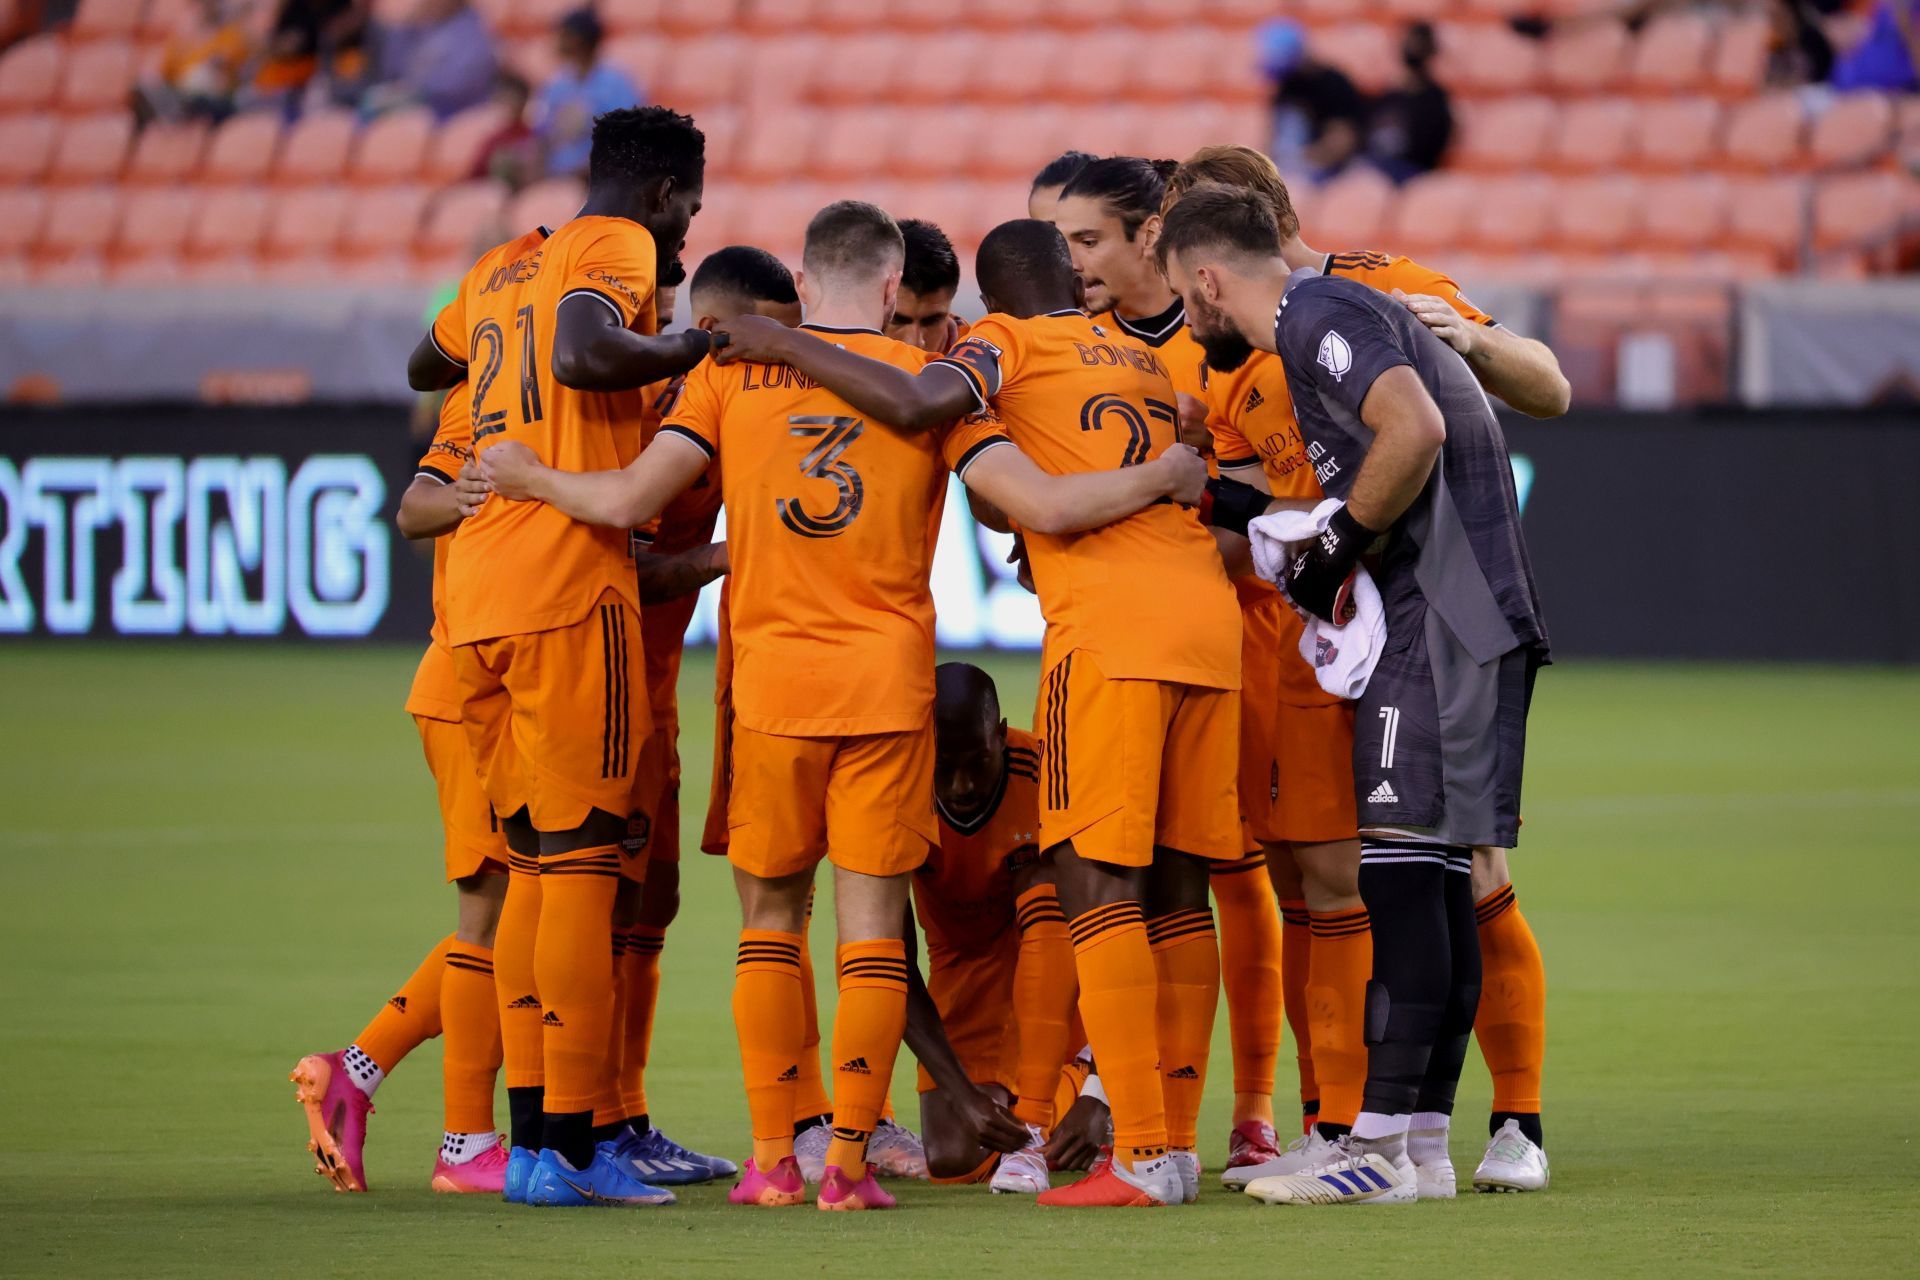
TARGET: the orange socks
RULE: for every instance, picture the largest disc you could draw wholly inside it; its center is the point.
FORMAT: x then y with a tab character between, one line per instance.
1043	996
767	1018
1296	948
573	970
1250	972
522	1058
1118	985
607	1111
411	1016
1341	964
1186	959
637	960
809	1091
867	1027
471	1056
1512	1023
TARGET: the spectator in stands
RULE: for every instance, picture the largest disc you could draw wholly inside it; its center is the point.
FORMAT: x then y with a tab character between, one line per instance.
1802	53
443	59
1412	123
199	70
513	153
1887	58
1319	118
319	43
581	89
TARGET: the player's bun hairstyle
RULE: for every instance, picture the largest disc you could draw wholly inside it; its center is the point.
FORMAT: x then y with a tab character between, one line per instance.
1022	258
633	146
1236	166
1129	188
1214	217
932	266
1059	171
744	271
853	239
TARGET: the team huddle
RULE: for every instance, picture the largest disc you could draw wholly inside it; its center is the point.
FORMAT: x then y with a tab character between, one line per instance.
1235	469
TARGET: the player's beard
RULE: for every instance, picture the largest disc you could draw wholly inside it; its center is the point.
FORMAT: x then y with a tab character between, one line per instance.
1226	349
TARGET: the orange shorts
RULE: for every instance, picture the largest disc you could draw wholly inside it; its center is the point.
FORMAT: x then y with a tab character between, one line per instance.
655	811
974	993
1128	765
864	801
1315	753
558	719
475	845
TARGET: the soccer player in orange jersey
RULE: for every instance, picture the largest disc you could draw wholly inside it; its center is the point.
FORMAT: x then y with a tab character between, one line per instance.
831	525
452	991
1140	706
923	313
554	333
1257	441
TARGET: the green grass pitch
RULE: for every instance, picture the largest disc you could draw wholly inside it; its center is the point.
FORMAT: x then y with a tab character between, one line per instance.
220	858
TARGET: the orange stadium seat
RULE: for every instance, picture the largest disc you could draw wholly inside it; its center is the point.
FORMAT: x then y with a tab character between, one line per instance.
154	224
81	221
76	270
1858	211
230	224
1182	62
547	203
26	147
1351	211
1368	53
1109	131
1478	58
681	19
22	210
862	16
1006	14
1764	134
461	218
1177	133
384	221
1856	129
98	76
1672	53
776	217
1597	214
1677	133
1417	10
92	148
1081	13
1685	213
935	141
1159	13
1507	133
921	15
30	73
393	148
119	19
528	17
721	127
624	17
1013	141
1515	214
316	148
857	142
1239	13
305	221
775	15
639	55
782	69
860	69
1768	214
1022	70
1099	69
700	71
166	153
1740	58
1432	214
1587	58
242	149
779	141
455	148
1594	133
940	67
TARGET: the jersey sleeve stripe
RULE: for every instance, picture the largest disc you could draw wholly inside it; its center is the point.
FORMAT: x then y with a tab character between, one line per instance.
1234	464
968	458
446	355
434	473
693	437
980	392
613	306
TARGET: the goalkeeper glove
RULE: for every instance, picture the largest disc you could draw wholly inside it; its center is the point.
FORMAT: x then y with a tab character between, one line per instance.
1320	579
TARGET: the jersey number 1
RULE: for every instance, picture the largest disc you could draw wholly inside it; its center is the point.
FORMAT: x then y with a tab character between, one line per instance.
823	462
488	335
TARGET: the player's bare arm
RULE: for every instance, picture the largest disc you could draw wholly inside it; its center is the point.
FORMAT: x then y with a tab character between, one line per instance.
430	507
995	1127
624	499
669	577
1408	432
429	369
593	351
1521	371
911	402
1045	503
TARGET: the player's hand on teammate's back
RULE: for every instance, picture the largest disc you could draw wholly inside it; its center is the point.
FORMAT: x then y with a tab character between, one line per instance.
750	337
510	468
470	489
1078	1137
1438	315
996	1126
1187	474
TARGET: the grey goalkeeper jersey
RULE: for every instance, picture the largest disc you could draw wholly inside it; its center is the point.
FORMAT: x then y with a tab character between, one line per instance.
1458	548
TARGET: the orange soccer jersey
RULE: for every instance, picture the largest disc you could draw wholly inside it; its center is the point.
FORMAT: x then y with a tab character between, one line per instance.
435	693
520	567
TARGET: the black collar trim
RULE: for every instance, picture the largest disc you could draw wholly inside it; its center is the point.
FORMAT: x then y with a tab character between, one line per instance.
1154	330
985	816
830	328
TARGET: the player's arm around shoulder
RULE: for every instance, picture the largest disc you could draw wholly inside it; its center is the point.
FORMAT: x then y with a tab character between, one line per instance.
907	399
623	499
1043	503
1524	372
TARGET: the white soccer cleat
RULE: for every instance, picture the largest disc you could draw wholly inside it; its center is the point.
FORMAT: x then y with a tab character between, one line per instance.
1514	1162
1351	1175
1023	1172
1303	1152
1436	1180
895	1152
810	1150
1187	1165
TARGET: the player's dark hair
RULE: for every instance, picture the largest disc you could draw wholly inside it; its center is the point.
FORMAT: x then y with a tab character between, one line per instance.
633	146
853	238
1214	216
1024	258
745	271
1059	171
1236	166
964	696
931	266
1128	187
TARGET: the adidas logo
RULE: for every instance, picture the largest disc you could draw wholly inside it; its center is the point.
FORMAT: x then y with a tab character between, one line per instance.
552	1020
1254	401
791	1073
526	1002
399	1004
856	1066
1383	794
1183	1073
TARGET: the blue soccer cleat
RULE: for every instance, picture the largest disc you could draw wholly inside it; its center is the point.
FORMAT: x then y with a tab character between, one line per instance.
520	1165
658	1158
606	1181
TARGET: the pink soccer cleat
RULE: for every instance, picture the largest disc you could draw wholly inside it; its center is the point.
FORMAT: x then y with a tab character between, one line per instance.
775	1189
336	1119
485	1174
838	1192
1252	1142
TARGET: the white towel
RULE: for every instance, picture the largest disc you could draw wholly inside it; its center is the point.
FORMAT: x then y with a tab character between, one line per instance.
1342	658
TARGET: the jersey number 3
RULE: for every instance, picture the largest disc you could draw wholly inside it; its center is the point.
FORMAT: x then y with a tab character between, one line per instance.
823	462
